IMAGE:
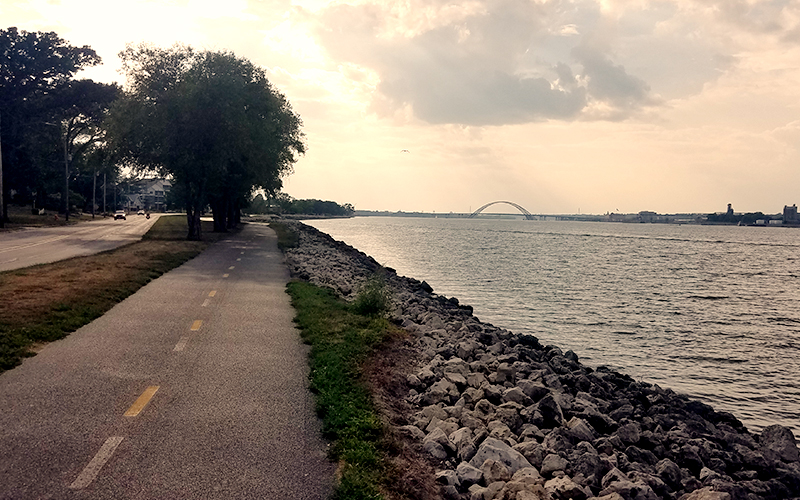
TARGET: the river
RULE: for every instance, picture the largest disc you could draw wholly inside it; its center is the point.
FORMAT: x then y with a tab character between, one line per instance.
709	311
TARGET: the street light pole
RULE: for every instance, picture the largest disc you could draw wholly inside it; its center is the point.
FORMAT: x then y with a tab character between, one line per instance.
94	190
66	175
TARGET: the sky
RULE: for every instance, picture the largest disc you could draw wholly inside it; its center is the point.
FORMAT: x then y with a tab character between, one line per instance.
560	106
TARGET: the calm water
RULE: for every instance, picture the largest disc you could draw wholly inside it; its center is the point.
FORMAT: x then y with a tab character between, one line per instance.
713	312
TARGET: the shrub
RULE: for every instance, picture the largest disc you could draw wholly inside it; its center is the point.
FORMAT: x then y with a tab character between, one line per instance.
374	299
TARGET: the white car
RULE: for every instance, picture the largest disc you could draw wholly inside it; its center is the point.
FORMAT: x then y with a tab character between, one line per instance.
120	214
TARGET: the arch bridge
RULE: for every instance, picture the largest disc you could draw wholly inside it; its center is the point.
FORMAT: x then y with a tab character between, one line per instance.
524	212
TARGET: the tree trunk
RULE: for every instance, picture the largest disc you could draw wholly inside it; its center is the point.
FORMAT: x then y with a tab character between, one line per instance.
193	221
218	212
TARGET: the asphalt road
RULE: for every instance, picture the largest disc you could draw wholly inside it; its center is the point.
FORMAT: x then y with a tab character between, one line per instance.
195	387
29	247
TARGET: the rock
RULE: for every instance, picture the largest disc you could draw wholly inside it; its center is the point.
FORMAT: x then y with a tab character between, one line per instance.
706	494
532	389
553	463
629	433
778	443
629	490
501	452
599	422
494	471
468	475
412	432
580	430
515	394
669	472
435	449
448	477
526	472
563	488
438	436
552	416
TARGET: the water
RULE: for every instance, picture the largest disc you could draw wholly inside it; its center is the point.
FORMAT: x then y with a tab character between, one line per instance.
710	311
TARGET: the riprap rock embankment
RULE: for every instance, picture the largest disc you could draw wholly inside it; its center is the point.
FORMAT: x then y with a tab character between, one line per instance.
504	417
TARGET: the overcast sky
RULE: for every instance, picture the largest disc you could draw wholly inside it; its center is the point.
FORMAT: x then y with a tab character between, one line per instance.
560	106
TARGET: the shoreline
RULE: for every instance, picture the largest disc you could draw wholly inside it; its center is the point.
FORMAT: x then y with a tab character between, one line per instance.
502	416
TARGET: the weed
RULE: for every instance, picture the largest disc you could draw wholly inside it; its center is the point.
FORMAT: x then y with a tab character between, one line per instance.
374	299
341	341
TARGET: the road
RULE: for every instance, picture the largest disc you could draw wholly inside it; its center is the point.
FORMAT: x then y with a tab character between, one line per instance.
29	247
195	387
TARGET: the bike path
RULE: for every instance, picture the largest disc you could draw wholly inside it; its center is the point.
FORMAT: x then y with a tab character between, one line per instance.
194	387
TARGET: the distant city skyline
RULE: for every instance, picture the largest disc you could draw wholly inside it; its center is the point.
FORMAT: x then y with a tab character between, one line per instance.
674	106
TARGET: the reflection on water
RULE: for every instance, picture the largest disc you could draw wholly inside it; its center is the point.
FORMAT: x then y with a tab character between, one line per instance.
709	311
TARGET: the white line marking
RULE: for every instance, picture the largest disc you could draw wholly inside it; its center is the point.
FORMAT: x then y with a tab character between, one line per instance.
205	303
90	471
181	344
231	267
239	260
225	275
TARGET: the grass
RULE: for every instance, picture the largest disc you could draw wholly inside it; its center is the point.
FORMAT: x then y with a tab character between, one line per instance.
47	302
286	237
341	342
20	217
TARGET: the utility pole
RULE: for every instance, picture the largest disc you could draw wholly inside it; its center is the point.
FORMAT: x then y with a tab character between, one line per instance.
104	194
2	205
94	190
66	175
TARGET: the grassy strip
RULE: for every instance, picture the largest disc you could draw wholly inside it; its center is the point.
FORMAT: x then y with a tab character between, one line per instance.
341	341
47	302
286	237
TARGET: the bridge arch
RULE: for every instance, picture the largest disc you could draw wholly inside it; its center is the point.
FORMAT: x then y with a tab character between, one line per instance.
524	212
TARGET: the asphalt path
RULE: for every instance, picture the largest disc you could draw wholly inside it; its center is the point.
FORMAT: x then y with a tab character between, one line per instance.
195	387
28	247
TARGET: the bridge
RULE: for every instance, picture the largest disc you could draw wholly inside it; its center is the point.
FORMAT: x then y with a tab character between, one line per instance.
524	212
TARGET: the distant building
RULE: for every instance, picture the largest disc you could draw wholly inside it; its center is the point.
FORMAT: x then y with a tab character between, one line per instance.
730	210
790	214
648	216
148	194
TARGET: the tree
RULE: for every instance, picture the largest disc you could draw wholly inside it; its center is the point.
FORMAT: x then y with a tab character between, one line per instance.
33	66
209	119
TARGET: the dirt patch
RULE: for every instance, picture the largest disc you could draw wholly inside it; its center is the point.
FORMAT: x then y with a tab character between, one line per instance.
412	475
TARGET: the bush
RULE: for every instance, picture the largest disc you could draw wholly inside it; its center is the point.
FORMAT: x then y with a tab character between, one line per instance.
374	299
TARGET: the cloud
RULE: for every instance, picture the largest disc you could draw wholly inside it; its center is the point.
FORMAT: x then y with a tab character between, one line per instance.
502	62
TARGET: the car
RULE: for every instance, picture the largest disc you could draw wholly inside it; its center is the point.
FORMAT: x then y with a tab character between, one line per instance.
120	214
140	212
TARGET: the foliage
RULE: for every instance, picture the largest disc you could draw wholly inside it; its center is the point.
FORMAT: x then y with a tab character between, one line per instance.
748	218
374	299
340	342
288	205
36	89
209	119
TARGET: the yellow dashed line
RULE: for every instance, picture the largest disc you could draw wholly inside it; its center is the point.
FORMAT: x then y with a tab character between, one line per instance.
212	293
196	325
225	275
140	403
232	267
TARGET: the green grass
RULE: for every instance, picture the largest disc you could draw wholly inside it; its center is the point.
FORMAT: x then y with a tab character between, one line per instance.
286	237
48	302
341	341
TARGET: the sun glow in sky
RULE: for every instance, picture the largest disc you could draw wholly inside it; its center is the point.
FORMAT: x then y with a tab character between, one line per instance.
558	105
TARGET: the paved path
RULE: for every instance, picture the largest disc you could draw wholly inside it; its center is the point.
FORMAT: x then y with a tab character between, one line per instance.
28	247
195	387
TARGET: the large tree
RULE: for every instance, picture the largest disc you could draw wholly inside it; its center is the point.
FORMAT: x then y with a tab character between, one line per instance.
34	66
209	119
